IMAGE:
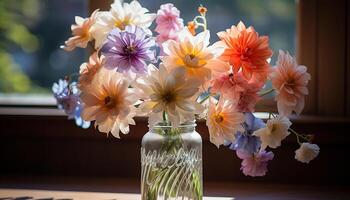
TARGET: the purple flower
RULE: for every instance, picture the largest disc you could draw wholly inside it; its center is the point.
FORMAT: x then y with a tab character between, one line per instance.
129	49
246	142
254	164
67	97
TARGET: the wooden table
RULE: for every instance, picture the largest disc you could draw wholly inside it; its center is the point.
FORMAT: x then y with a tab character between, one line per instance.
127	189
47	194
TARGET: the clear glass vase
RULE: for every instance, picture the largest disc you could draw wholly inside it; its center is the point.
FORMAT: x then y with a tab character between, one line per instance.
171	160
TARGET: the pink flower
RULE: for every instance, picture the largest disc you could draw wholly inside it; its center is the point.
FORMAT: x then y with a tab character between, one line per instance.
168	23
255	164
290	83
236	88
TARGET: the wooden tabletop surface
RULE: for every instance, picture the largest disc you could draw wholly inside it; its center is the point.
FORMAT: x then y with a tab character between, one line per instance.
50	194
126	189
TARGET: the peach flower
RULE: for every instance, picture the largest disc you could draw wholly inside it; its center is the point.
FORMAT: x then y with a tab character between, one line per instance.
245	50
110	102
236	88
193	54
223	122
290	83
89	69
81	32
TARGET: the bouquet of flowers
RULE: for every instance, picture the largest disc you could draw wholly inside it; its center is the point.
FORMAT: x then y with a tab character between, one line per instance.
174	75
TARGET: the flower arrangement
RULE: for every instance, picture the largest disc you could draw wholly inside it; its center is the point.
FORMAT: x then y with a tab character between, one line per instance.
176	76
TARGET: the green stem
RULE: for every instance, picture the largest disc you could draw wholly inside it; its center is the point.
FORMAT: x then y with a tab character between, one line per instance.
299	136
165	117
266	92
204	99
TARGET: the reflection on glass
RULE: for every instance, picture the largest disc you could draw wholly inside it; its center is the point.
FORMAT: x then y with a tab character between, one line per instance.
31	32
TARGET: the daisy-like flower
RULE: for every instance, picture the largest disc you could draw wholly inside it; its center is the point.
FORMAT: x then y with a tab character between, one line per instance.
223	122
307	152
170	92
120	16
110	102
245	50
193	54
128	50
275	131
255	164
290	83
81	32
168	23
89	69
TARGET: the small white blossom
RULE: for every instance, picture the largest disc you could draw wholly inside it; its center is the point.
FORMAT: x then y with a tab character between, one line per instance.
307	152
275	131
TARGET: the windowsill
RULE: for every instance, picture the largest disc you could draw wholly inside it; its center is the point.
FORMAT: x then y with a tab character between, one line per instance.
53	111
34	100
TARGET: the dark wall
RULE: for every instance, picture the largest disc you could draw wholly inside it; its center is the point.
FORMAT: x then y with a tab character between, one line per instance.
39	145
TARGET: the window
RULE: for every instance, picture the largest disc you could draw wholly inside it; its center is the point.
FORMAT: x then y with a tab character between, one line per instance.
31	59
31	33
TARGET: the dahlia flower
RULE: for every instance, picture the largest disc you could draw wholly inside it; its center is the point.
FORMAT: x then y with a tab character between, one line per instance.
193	54
81	32
290	83
255	164
128	50
307	152
120	16
89	69
236	88
246	51
275	131
110	102
168	23
170	92
223	122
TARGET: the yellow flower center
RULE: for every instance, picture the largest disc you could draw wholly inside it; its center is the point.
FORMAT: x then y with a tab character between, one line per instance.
110	102
121	24
192	61
218	118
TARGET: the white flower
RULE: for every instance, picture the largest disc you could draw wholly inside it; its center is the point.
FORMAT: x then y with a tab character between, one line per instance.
275	131
121	15
307	152
170	92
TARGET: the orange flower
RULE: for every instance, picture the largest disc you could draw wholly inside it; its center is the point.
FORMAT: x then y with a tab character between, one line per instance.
223	122
89	69
81	32
110	102
191	27
245	50
202	10
290	83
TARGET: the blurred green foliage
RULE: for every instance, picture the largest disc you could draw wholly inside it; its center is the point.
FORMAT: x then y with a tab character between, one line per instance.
14	20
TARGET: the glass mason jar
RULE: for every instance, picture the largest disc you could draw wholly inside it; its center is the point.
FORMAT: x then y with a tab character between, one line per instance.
171	161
